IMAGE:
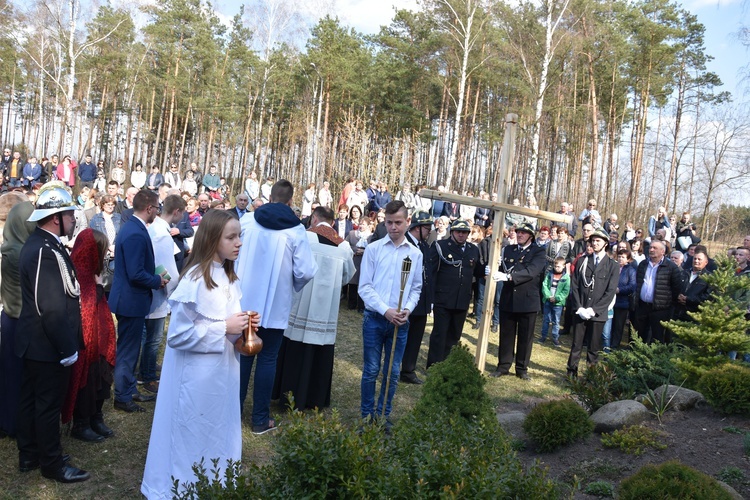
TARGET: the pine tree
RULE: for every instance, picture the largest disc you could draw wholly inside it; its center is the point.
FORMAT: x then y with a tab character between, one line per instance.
718	327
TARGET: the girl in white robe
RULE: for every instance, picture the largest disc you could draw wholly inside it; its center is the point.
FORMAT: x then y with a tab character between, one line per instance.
197	414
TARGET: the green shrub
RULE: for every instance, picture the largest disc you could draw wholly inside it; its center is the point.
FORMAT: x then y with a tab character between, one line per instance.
633	439
651	364
596	387
447	456
727	388
719	325
731	475
434	454
671	480
556	423
233	484
600	489
457	387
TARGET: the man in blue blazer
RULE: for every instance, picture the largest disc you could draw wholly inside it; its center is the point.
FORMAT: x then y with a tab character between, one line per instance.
130	298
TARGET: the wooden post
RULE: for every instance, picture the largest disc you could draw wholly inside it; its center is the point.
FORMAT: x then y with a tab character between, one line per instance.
496	246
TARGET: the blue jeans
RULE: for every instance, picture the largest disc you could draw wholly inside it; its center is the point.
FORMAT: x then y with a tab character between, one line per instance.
265	373
551	316
377	336
607	334
745	356
480	301
150	342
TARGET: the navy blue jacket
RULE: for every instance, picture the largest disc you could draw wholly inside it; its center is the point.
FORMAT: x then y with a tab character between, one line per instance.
135	271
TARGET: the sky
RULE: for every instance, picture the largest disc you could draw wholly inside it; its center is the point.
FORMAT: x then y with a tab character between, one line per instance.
722	19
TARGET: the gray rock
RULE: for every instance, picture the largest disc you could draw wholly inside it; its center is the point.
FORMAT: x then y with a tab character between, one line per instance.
684	399
618	414
512	424
732	492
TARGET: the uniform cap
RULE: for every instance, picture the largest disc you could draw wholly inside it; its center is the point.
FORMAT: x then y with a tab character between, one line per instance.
460	225
528	228
421	218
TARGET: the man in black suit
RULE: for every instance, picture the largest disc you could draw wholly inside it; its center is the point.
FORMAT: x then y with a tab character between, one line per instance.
452	264
419	231
130	298
695	290
48	336
522	266
592	289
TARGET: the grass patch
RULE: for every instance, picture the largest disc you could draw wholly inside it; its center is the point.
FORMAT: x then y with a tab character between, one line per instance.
116	465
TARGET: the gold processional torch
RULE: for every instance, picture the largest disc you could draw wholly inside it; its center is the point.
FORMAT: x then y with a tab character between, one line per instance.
405	270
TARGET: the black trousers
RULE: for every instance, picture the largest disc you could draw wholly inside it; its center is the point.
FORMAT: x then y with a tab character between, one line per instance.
589	332
448	324
417	324
516	333
648	323
43	388
618	327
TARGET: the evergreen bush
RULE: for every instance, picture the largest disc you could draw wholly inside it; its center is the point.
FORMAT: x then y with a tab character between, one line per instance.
727	388
651	364
456	387
671	480
719	325
556	423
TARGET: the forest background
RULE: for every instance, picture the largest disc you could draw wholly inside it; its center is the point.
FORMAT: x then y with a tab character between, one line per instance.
614	98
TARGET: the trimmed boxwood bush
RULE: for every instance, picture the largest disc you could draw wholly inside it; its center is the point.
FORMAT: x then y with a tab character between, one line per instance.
671	480
556	423
727	388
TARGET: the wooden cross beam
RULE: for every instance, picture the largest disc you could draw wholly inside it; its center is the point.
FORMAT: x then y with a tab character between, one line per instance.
499	209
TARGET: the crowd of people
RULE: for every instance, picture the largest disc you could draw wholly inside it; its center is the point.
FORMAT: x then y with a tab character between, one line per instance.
171	246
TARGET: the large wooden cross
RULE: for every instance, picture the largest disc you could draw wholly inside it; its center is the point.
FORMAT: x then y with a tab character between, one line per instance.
499	210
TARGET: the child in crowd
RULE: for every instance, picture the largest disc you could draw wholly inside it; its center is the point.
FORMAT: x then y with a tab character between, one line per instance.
555	290
197	414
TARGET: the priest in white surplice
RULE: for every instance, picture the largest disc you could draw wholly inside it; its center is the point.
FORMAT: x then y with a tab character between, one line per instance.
276	261
305	364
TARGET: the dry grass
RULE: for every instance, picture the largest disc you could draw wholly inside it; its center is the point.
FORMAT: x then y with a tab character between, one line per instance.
116	465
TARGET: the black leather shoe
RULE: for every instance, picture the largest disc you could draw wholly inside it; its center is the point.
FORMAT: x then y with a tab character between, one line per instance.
86	434
30	465
523	376
493	328
101	428
68	474
129	407
498	374
410	378
143	398
475	326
